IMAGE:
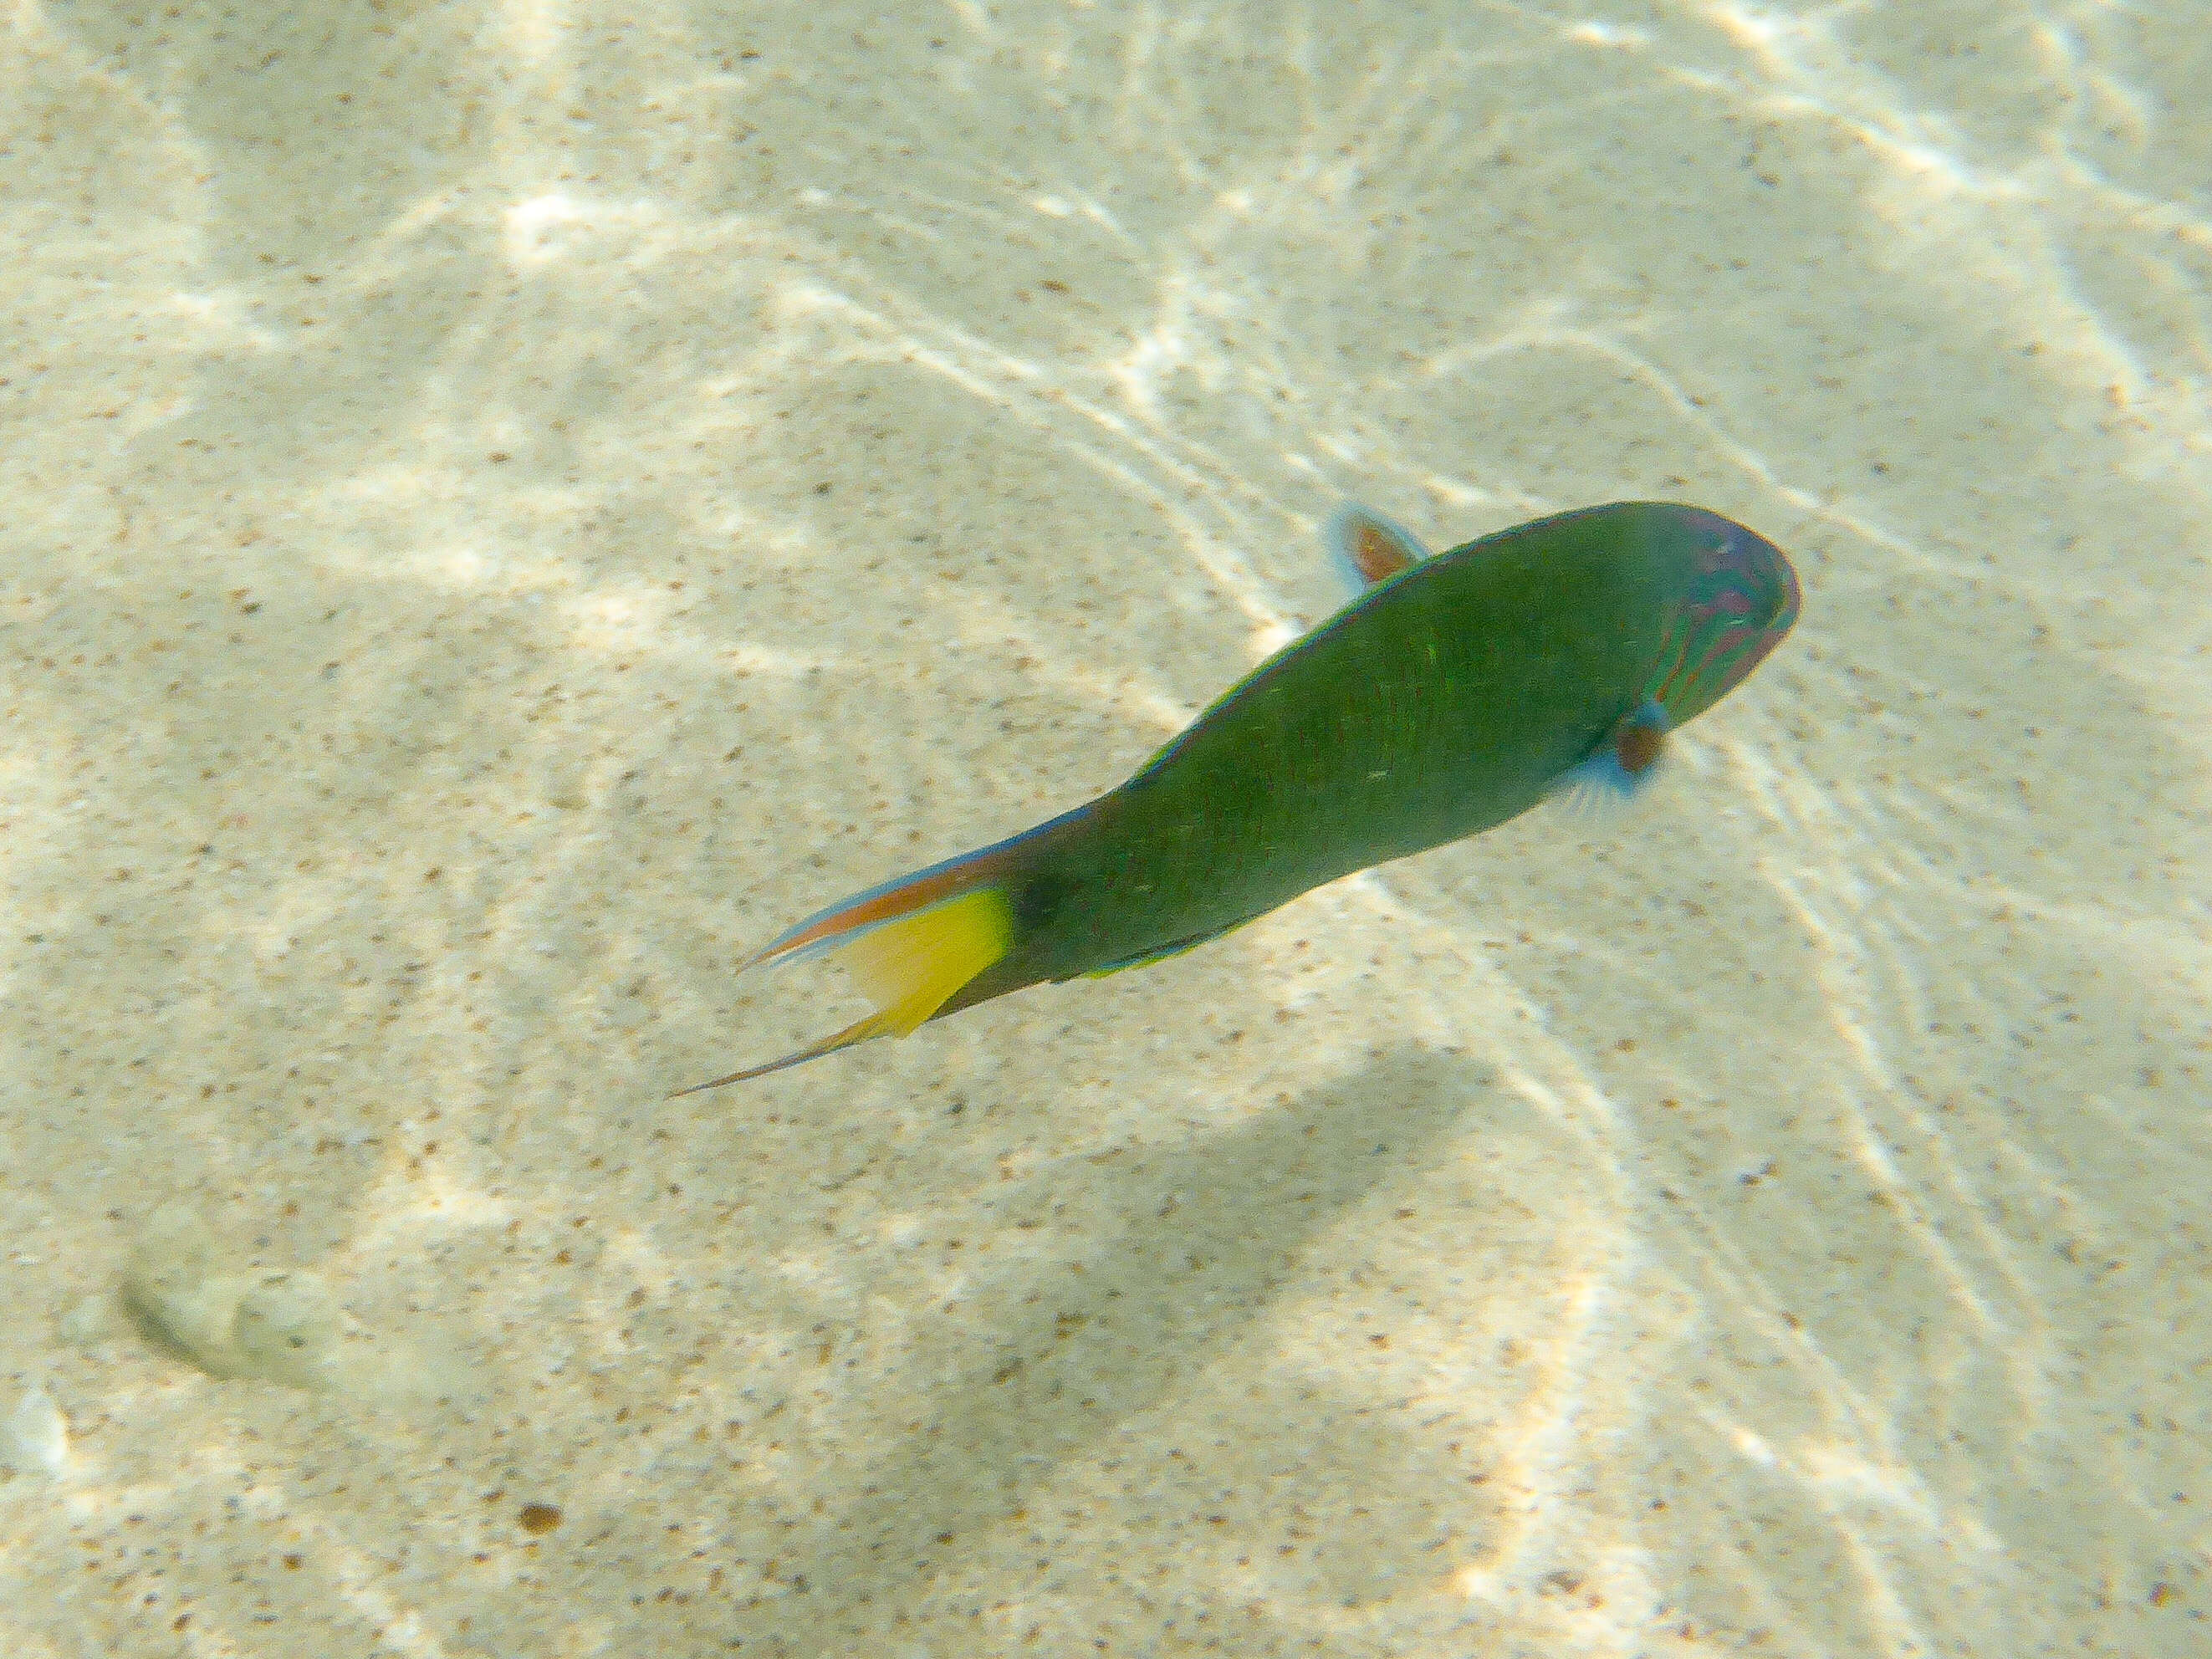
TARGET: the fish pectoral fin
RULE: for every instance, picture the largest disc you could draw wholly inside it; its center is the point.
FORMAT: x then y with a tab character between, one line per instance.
1367	548
1620	767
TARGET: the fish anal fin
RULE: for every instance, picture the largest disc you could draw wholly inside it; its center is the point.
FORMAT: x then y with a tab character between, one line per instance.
1173	948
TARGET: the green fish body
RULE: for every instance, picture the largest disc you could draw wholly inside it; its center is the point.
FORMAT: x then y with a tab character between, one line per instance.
1456	692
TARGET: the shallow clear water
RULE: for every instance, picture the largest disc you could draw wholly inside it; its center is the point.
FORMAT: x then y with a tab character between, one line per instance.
507	508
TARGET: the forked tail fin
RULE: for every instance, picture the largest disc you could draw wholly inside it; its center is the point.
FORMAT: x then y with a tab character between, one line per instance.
912	943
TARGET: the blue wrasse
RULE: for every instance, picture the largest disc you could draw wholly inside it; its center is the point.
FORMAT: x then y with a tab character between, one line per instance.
1454	693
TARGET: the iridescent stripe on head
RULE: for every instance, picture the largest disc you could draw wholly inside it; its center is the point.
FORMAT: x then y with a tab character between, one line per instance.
1742	598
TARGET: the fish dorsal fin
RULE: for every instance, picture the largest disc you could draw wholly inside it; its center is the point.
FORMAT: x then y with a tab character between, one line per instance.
1367	548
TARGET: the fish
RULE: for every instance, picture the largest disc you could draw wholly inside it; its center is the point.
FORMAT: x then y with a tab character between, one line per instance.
1454	692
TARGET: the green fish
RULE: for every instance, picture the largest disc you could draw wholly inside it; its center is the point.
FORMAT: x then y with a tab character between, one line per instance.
1454	693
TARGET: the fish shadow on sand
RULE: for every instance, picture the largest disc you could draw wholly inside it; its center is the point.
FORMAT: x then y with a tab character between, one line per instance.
1212	1232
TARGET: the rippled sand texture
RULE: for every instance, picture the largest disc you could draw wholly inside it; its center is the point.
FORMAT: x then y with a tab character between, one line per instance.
506	508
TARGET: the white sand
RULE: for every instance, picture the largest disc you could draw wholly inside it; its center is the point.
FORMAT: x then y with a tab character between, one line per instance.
506	508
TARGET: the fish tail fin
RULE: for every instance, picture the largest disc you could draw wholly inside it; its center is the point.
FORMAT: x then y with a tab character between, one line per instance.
912	944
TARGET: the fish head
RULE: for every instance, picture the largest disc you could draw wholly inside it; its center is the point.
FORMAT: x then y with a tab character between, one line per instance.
1734	595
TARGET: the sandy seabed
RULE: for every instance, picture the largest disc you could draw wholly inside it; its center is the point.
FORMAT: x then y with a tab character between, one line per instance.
507	507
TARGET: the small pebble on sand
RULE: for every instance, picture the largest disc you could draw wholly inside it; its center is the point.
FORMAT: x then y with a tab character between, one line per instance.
36	1435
